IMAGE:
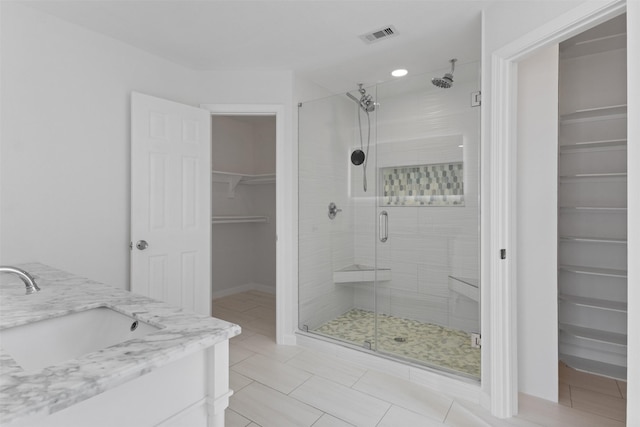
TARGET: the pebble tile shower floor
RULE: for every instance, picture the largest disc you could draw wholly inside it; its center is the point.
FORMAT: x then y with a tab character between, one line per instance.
424	343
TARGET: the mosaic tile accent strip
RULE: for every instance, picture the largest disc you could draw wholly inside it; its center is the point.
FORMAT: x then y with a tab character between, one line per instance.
423	185
424	343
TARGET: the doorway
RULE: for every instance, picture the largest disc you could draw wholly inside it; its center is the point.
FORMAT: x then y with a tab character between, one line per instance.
243	149
592	220
501	135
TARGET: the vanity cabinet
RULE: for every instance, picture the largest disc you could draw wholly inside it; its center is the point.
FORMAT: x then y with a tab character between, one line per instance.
175	375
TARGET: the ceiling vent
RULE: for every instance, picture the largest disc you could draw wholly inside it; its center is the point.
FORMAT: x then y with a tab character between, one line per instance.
381	34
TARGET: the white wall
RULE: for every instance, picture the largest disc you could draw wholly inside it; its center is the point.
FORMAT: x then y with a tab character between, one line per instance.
232	148
65	142
65	137
537	228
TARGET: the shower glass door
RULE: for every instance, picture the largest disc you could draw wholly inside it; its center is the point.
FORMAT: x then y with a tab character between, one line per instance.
393	268
427	256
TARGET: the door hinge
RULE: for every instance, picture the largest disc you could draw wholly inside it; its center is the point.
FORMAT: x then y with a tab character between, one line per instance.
503	254
476	99
476	340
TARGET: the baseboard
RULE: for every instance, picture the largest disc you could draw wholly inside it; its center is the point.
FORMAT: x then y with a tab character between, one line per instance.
485	400
243	288
289	339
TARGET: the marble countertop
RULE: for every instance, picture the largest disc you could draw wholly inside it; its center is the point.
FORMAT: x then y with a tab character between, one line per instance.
45	391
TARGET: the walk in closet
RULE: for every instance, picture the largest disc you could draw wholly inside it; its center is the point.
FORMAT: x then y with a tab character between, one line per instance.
243	204
592	200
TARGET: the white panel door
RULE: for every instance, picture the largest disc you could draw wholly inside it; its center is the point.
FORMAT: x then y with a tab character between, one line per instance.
170	202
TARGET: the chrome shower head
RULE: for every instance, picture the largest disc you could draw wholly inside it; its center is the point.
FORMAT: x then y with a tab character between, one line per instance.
365	102
446	81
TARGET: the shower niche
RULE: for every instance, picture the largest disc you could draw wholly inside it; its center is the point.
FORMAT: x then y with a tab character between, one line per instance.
396	271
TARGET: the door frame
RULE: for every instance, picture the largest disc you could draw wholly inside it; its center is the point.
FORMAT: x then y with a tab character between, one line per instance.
501	233
284	210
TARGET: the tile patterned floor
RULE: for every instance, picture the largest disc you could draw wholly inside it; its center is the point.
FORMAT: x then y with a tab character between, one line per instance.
425	343
592	393
284	386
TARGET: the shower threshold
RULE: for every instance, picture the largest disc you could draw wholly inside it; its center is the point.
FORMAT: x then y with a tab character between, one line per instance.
422	343
358	273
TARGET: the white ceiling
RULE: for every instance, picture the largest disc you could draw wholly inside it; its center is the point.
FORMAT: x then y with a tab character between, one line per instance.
317	39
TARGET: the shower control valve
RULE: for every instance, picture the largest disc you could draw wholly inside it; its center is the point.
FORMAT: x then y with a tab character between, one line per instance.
333	210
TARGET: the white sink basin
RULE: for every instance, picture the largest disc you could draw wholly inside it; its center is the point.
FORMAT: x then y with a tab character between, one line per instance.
48	342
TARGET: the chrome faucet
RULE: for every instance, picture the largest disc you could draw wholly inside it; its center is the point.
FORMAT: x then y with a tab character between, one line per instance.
28	279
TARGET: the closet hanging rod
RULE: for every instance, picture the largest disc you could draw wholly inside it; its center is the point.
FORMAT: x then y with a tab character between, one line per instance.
238	219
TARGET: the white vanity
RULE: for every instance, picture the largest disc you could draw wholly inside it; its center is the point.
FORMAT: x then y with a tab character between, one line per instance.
81	353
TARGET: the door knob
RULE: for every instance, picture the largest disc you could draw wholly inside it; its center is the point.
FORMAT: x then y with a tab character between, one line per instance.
142	245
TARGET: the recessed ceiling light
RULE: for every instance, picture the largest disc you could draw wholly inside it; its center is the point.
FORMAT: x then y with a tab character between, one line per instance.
400	72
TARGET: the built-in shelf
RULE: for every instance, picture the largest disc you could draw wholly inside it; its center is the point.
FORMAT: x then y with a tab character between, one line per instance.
588	365
607	272
593	145
592	213
357	273
593	176
592	240
594	334
594	114
238	219
233	179
594	303
603	209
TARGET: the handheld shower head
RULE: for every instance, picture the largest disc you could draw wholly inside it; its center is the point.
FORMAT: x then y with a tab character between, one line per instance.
365	102
356	100
360	157
446	81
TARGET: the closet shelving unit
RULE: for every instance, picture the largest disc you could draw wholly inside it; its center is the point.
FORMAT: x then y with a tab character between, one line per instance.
592	214
233	180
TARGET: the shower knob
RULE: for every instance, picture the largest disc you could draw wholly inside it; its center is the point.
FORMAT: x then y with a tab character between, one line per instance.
333	210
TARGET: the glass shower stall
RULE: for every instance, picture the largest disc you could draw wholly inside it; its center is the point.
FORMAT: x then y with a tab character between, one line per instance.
388	253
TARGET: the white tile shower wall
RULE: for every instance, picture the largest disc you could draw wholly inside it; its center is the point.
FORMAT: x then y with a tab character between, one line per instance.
325	245
426	244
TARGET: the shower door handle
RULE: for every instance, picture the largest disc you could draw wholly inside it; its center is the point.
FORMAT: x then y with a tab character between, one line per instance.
383	226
